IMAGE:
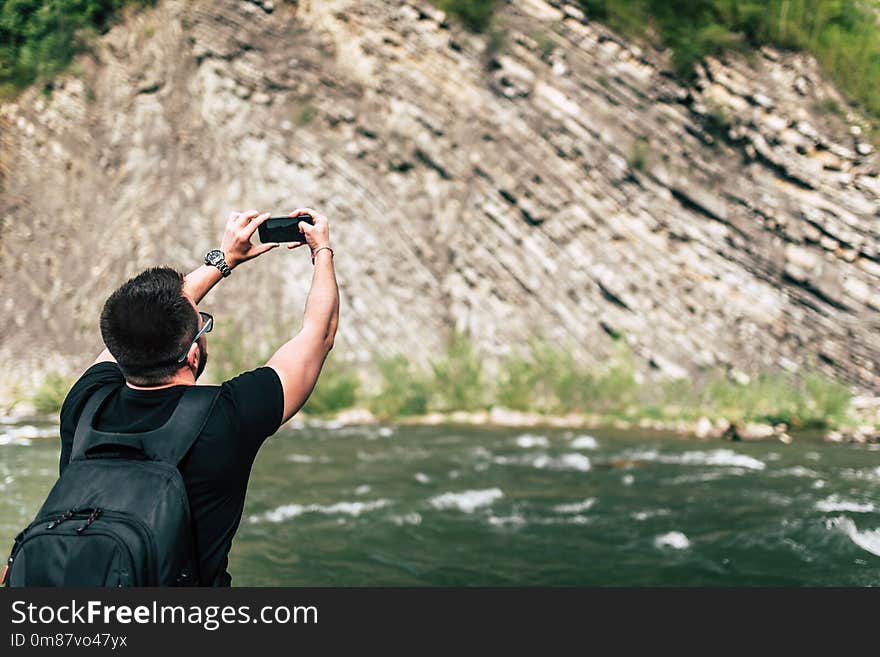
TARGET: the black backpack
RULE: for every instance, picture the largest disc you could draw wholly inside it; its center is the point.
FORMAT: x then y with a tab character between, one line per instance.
119	514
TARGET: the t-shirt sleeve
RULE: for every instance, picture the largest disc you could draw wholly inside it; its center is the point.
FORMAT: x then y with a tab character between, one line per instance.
257	401
97	376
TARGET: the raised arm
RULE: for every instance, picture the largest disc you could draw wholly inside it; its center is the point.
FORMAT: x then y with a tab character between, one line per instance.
237	248
298	362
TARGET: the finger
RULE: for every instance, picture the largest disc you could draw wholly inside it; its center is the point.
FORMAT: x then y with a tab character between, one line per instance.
299	211
293	245
251	228
232	217
303	225
247	216
260	250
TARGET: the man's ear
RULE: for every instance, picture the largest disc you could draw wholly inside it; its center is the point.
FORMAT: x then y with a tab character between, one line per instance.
193	356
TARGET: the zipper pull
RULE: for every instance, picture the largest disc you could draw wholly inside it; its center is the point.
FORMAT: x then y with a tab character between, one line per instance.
67	515
92	517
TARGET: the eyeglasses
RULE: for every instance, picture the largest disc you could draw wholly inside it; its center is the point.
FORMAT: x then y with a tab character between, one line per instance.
207	325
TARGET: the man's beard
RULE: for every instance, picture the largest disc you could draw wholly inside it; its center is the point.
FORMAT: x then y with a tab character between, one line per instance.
203	363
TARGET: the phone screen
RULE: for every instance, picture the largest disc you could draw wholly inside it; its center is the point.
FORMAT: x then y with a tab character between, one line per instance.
283	229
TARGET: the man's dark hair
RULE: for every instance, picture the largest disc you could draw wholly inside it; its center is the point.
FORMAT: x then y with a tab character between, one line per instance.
147	323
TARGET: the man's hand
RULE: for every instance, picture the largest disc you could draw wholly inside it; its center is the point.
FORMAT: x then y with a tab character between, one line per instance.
317	235
236	244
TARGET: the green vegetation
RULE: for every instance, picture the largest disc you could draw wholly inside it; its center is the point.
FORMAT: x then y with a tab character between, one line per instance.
304	115
638	157
404	389
546	44
475	14
540	377
51	393
545	378
458	382
494	45
337	389
844	35
39	38
811	401
230	354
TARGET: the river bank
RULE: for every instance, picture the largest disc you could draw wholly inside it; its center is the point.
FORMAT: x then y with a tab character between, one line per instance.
29	424
700	429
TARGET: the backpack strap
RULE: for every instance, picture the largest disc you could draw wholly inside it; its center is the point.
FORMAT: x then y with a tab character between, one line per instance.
186	424
168	443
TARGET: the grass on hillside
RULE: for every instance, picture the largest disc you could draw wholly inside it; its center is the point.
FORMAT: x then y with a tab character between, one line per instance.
843	35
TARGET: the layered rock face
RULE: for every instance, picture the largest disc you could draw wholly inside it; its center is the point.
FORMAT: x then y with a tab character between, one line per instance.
557	182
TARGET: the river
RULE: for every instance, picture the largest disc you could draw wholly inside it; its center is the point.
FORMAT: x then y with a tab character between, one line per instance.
462	506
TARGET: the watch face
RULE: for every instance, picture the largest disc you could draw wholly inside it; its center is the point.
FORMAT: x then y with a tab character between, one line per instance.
215	256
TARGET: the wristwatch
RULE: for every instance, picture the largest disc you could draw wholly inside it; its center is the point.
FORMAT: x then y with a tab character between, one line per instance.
215	257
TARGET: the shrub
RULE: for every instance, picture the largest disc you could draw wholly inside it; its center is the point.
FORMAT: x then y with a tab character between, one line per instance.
811	401
404	390
457	382
828	401
844	35
337	388
38	39
475	14
638	157
51	393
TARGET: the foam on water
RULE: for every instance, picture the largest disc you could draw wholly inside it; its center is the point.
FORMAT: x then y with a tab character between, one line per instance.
577	507
422	478
564	520
718	457
481	452
407	519
528	440
362	490
293	510
385	432
577	462
330	425
501	521
796	471
6	439
468	500
26	433
584	442
300	458
861	475
868	540
674	540
707	476
645	515
835	503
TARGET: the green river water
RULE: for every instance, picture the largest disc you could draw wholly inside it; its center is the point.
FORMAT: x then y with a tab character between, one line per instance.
464	506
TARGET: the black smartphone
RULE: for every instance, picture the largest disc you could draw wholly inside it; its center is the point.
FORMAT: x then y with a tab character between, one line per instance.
284	229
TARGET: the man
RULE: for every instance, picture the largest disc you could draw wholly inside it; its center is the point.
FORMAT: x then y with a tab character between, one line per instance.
157	346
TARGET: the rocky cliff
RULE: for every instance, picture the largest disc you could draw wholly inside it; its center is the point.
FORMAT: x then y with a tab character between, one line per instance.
555	180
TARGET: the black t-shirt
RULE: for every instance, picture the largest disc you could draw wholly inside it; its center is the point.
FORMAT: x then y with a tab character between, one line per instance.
217	467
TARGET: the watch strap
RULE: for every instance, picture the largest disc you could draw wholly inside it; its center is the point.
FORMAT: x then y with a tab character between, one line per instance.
215	257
